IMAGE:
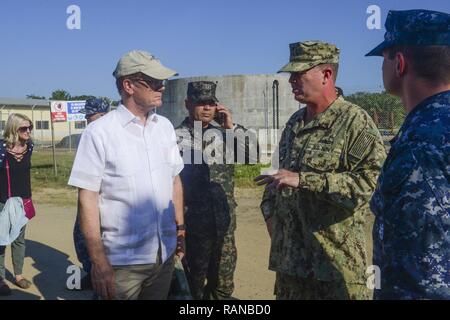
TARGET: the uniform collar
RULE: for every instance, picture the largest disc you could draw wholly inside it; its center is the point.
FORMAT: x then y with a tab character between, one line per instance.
425	103
323	120
419	111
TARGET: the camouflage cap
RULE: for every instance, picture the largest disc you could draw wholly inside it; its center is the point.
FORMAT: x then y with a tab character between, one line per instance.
415	28
308	54
94	106
202	91
141	61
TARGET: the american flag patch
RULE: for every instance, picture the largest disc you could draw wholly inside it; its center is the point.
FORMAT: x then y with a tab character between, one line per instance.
363	142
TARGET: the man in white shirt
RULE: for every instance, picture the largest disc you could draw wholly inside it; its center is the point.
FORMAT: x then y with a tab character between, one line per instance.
130	194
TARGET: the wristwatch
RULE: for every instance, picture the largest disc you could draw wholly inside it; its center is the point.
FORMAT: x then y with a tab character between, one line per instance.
181	227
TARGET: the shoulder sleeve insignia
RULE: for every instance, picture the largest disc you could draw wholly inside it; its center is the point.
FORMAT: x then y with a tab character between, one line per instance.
361	145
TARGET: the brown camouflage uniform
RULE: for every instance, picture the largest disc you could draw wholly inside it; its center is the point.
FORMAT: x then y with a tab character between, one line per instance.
319	230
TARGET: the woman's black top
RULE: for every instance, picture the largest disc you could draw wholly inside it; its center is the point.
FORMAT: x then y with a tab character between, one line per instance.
19	172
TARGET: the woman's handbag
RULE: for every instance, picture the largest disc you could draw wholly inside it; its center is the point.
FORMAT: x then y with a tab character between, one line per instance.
28	207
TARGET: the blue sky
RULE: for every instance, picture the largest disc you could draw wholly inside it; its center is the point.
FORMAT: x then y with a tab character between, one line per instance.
38	54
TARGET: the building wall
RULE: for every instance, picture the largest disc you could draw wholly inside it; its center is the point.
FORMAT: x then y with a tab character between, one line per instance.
250	98
44	136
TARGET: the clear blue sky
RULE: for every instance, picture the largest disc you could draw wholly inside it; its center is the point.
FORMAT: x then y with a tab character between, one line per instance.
38	54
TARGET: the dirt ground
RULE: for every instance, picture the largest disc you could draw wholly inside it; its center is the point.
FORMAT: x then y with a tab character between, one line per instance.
50	252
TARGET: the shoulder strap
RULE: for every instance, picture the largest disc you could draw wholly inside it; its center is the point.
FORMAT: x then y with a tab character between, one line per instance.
30	146
2	153
8	178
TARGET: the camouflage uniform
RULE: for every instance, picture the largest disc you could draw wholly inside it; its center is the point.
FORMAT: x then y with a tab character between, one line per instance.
412	198
319	242
209	209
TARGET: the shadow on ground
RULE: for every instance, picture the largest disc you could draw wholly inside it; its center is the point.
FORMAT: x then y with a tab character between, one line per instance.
50	281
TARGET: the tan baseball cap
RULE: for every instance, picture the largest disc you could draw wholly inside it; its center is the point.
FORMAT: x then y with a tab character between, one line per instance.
141	61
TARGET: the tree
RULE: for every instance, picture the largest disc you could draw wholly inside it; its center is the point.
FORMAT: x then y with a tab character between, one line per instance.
387	110
82	97
63	95
33	96
60	94
115	103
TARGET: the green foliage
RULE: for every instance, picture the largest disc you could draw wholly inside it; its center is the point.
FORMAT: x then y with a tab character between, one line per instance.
81	98
244	174
61	95
33	96
385	106
42	170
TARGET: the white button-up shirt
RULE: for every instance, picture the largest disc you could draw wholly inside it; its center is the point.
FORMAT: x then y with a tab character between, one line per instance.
132	166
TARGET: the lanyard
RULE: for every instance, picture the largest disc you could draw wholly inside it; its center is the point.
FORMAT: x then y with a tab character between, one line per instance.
8	178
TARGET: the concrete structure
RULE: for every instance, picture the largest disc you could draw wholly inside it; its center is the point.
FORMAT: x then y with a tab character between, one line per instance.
39	112
256	102
250	98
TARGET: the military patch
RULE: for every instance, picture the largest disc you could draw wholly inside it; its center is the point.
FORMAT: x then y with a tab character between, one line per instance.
363	142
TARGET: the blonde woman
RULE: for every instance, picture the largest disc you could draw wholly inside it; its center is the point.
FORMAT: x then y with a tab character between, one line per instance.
15	152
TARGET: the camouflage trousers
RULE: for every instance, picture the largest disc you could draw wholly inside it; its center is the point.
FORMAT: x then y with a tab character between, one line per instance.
211	262
294	288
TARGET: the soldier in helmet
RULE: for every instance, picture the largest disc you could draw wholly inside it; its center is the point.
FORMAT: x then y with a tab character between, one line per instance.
209	192
316	205
412	198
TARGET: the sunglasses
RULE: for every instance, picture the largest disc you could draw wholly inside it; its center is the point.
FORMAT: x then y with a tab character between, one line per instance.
25	129
150	83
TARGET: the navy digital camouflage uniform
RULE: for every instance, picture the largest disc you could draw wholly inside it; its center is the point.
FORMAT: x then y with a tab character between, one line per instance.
412	207
91	107
319	246
412	199
209	208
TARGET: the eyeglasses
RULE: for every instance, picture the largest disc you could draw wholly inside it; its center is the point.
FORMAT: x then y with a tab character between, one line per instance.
151	83
25	129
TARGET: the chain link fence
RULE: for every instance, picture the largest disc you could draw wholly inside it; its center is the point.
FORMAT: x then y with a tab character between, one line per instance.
387	111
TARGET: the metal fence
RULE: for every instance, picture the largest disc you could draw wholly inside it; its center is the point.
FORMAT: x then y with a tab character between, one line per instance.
387	111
